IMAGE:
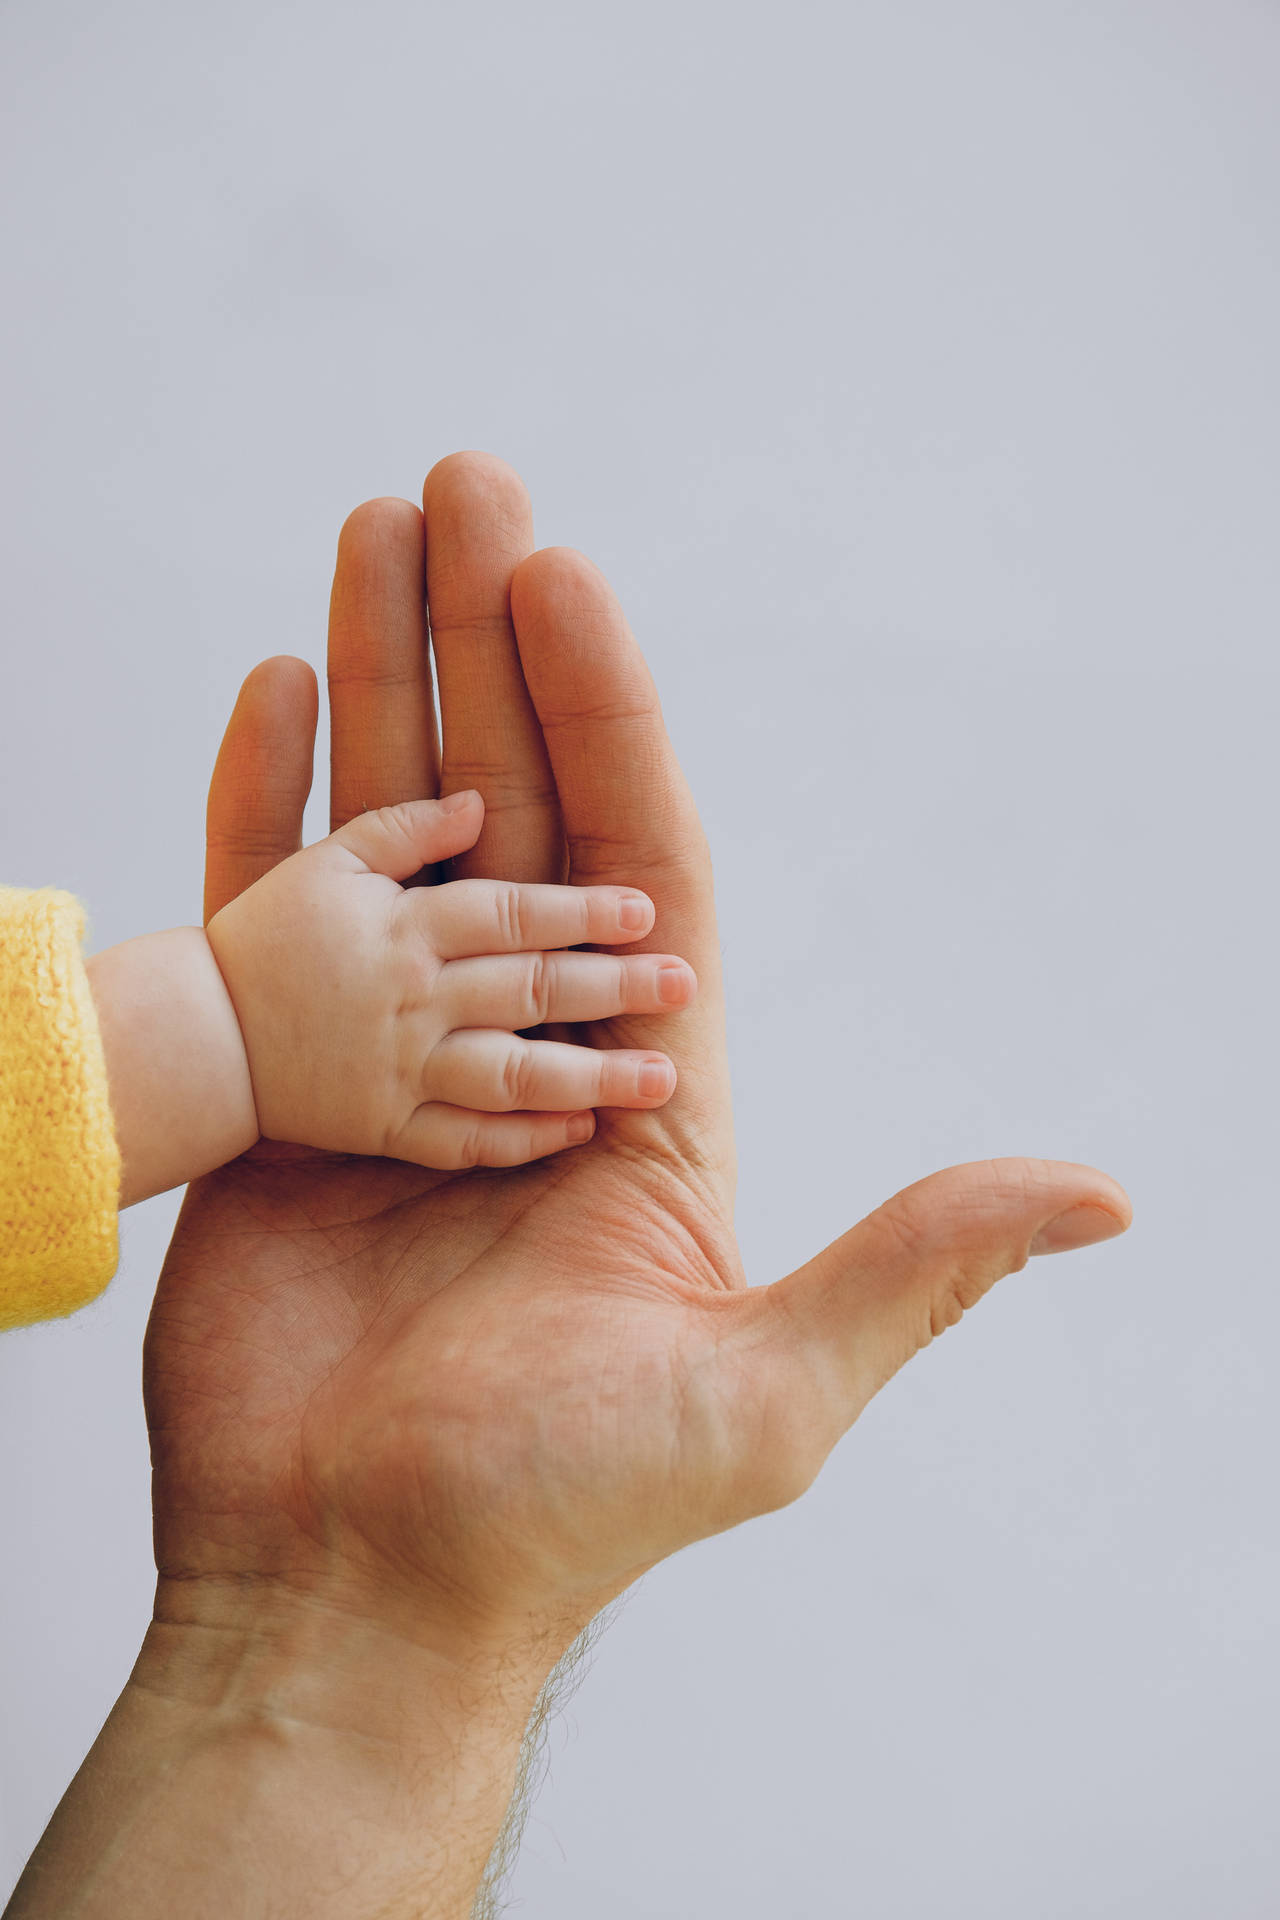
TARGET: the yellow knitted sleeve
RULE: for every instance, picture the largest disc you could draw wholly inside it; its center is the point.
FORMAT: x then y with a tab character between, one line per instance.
59	1162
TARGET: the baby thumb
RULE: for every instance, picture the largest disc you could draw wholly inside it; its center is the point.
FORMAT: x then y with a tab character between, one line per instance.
830	1335
398	841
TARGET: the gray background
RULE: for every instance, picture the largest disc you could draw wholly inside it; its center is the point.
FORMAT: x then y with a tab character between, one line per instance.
910	368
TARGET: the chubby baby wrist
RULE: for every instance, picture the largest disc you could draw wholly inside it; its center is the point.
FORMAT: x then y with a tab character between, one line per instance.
181	1094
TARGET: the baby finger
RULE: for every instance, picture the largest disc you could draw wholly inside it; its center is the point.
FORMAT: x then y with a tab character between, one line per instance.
499	1072
455	1137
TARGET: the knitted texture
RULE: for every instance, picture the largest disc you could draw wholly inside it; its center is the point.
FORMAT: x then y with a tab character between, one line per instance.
59	1161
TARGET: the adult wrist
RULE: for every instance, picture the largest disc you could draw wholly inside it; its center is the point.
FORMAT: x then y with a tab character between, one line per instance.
260	1647
403	1747
274	1753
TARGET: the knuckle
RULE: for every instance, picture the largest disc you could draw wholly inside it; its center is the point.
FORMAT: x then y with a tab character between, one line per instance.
967	1277
958	1290
538	987
955	1276
509	913
904	1228
244	840
610	1078
472	1145
517	1075
946	1310
397	818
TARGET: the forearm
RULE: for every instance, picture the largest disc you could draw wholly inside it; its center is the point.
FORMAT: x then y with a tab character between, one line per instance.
314	1766
181	1095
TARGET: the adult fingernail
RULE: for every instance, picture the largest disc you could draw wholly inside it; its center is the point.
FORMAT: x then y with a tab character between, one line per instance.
633	913
1078	1227
455	802
653	1079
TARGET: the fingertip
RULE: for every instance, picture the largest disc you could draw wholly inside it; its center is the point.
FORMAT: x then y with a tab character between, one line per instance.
377	524
1100	1210
580	1128
470	475
399	840
279	694
1119	1203
459	821
677	983
656	1079
462	801
554	592
283	669
261	778
636	913
1080	1226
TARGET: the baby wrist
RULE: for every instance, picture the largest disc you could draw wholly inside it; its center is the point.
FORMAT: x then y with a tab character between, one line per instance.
181	1094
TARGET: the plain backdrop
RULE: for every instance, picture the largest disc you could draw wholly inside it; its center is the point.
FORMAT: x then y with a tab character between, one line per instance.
911	370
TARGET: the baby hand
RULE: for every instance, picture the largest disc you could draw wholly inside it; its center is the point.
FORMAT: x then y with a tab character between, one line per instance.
383	1019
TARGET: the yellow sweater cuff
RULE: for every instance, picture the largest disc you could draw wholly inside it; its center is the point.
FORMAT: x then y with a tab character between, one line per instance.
59	1161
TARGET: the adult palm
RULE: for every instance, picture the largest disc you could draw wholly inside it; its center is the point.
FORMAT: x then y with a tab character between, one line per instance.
491	1398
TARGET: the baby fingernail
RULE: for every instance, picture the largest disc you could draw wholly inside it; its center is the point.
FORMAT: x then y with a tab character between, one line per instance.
633	913
581	1127
672	984
653	1079
455	802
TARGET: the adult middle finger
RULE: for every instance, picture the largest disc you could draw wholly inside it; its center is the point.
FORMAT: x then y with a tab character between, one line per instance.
479	527
382	729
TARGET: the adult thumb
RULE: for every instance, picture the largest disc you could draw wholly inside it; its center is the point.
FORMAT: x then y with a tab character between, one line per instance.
400	840
839	1327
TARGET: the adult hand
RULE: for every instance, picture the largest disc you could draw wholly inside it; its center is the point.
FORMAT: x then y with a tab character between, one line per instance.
457	1412
501	1396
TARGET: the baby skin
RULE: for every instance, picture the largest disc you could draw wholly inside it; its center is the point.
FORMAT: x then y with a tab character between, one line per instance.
332	1006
